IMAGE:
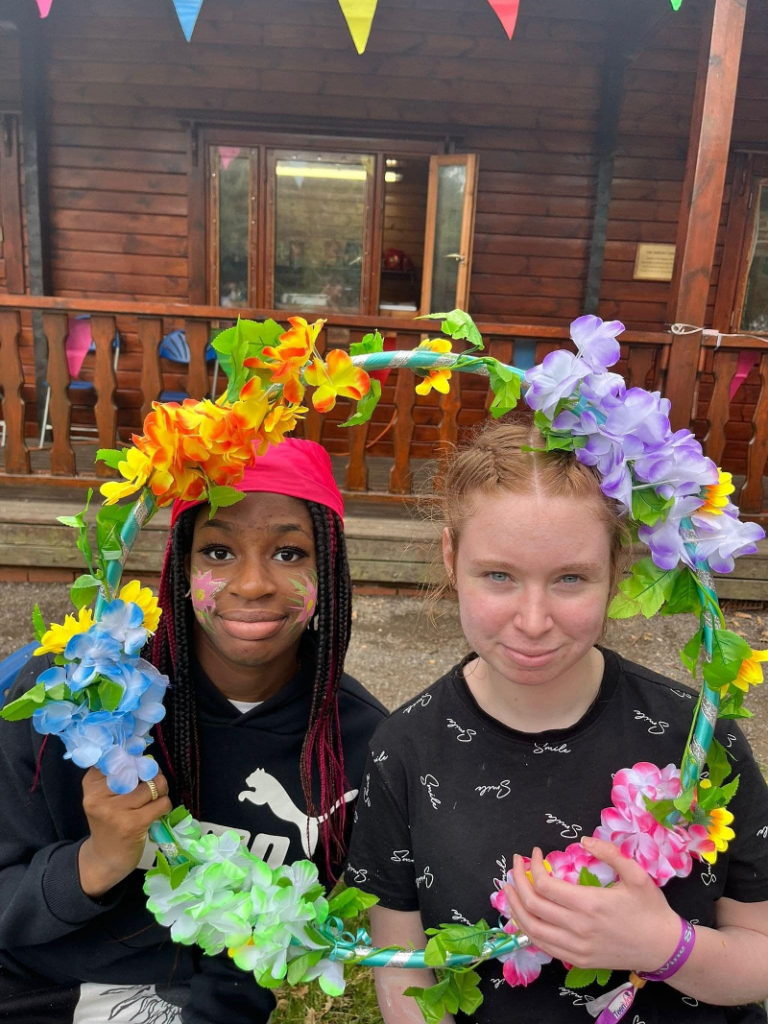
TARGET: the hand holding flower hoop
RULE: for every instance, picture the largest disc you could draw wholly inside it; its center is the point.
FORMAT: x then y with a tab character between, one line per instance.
102	698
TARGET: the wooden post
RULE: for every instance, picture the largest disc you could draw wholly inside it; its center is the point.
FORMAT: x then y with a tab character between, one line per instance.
696	255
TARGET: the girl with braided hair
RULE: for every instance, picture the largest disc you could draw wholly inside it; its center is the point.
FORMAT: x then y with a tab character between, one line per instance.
263	733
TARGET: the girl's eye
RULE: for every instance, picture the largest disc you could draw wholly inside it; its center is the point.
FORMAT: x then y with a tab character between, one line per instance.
215	553
290	555
498	577
571	578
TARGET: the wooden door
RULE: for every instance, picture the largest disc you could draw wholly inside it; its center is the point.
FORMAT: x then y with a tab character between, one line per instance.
449	233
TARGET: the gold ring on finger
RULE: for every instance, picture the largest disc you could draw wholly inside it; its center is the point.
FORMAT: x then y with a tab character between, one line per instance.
153	792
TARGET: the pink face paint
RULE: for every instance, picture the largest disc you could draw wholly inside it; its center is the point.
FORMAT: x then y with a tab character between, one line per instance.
204	590
304	600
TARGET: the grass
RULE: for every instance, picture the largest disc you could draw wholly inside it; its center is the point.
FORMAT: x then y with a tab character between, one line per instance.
306	1004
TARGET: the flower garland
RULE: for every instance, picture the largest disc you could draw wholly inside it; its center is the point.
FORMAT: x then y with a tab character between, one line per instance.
102	698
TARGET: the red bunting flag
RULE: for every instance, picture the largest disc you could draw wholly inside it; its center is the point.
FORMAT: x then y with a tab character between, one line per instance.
44	7
507	11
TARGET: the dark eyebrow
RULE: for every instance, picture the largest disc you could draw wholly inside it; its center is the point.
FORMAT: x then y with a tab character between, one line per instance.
279	528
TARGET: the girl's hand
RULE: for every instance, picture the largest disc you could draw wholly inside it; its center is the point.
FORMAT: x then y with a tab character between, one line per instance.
627	927
118	827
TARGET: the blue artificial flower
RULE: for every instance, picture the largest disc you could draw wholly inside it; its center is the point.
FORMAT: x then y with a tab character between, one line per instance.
122	621
97	654
125	766
52	676
87	742
54	717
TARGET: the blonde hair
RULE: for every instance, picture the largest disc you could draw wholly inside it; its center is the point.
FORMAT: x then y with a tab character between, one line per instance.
499	458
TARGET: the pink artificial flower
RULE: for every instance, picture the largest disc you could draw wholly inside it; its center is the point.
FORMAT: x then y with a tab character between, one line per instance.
567	864
645	779
522	966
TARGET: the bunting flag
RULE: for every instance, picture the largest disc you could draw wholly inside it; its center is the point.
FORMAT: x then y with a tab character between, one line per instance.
359	15
187	11
507	11
44	7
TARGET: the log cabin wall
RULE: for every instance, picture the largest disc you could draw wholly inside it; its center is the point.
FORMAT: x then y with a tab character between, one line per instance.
120	80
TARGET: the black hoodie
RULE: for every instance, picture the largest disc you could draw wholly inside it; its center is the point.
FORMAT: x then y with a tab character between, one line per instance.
250	782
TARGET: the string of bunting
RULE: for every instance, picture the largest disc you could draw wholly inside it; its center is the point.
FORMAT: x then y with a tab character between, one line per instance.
358	15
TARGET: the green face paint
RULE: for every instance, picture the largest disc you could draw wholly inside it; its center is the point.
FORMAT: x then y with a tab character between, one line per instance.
304	599
204	590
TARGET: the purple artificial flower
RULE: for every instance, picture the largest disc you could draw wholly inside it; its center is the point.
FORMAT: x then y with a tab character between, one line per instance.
617	484
638	419
596	341
677	466
721	538
598	387
665	540
556	378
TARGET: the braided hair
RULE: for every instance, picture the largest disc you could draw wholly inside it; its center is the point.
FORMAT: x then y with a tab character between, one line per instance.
322	755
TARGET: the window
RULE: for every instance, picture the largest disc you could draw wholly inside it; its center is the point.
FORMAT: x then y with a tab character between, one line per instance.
742	293
336	225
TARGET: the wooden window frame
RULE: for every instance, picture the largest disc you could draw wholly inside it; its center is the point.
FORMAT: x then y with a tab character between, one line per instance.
202	226
10	205
750	172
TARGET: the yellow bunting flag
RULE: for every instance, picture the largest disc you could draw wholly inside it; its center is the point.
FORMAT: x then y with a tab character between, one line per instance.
507	11
359	15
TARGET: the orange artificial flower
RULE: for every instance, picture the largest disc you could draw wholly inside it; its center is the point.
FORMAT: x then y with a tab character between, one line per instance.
286	362
437	379
278	422
716	495
337	376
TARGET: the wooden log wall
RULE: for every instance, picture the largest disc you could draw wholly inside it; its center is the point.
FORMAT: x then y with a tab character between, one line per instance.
121	82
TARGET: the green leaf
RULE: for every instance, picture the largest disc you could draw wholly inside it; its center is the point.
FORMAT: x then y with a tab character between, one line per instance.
731	706
648	586
162	867
506	386
245	340
690	653
580	977
350	902
267	981
370	343
433	1002
179	872
24	706
457	324
466	984
718	763
222	497
112	456
621	607
365	406
541	422
728	652
603	976
84	590
684	598
110	694
58	692
177	814
298	968
110	520
660	809
649	507
587	878
685	800
38	623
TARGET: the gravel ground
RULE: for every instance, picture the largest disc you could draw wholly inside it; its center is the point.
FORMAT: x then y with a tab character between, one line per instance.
396	651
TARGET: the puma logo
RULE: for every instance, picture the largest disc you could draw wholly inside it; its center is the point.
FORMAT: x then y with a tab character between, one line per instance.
266	789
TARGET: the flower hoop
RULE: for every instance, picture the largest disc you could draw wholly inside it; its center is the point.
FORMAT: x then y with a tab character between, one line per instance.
102	699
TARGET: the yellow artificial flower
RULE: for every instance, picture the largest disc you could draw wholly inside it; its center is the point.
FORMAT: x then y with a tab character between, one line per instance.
279	421
437	379
146	600
337	376
716	495
136	469
750	673
57	637
719	832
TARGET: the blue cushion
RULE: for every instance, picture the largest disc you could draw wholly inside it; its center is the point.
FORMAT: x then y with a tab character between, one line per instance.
173	396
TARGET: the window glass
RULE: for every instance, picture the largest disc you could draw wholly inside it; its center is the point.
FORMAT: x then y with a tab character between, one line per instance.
754	316
452	183
320	219
232	165
402	249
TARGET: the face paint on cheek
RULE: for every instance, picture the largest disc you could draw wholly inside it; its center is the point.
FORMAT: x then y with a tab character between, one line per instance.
204	590
304	598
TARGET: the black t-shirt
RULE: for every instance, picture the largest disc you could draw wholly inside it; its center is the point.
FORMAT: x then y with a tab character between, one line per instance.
450	794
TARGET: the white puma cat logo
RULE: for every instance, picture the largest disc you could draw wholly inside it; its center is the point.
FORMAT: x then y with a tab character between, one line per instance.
266	789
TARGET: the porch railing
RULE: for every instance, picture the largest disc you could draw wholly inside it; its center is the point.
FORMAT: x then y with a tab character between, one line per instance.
388	458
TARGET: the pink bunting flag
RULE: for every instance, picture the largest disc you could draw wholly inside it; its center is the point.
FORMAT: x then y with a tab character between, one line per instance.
507	11
77	344
44	7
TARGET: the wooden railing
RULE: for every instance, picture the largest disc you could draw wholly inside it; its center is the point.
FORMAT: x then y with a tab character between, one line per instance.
376	460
